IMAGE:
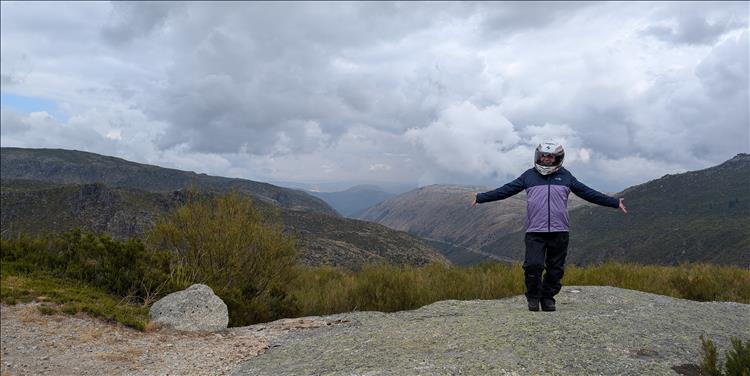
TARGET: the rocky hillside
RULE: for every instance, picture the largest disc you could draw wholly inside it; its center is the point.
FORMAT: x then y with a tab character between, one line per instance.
698	216
34	207
443	213
78	167
353	243
353	201
597	330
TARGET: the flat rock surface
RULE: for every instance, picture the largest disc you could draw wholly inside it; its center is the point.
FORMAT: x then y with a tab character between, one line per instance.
597	330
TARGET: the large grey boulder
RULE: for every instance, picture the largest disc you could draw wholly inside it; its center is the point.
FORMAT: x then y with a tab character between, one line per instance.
195	309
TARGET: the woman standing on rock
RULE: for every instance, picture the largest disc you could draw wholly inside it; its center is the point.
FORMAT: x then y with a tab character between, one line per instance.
547	186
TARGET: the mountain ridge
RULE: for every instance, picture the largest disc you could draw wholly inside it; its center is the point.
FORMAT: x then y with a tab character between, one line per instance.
81	167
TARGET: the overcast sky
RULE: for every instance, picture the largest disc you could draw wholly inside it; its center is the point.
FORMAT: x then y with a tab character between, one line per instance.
417	93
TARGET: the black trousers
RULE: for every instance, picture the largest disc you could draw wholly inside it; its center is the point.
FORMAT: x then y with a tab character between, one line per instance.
545	252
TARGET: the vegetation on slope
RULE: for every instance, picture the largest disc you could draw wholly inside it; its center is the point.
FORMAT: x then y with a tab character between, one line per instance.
227	243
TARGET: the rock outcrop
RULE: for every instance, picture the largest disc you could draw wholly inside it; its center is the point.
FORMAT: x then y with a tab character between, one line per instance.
597	330
195	309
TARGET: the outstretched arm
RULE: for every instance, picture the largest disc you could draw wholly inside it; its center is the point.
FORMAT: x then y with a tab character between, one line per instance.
596	197
501	193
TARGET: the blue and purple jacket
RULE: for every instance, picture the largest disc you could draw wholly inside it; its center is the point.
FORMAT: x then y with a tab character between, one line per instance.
547	198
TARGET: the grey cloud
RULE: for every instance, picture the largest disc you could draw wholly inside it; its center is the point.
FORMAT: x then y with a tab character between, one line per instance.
723	109
251	86
707	120
16	71
725	71
502	19
679	120
129	20
12	122
699	24
600	113
689	30
49	23
10	79
257	69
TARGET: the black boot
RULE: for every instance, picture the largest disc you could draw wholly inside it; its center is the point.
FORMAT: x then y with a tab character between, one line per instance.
533	304
548	304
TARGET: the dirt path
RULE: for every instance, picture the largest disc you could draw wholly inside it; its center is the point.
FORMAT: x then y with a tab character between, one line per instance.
37	344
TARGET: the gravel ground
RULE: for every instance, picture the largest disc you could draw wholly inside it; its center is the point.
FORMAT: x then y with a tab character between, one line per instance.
36	344
596	331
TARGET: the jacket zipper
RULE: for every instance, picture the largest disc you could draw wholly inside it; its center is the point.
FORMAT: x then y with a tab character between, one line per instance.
549	210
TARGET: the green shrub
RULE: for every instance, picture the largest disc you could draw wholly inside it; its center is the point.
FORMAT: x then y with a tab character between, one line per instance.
322	290
125	269
709	365
737	359
704	282
70	297
226	243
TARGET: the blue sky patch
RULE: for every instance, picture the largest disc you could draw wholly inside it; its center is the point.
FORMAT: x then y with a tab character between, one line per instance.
31	104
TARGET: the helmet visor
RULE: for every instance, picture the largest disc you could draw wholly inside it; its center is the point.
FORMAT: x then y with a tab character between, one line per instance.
548	159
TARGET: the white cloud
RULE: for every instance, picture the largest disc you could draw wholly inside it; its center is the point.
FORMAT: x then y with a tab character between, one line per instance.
467	139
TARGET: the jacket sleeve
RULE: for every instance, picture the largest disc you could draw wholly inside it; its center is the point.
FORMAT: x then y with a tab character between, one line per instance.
593	196
503	192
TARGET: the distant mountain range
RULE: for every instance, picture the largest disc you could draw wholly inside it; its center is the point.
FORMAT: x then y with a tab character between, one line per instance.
46	190
355	200
390	187
698	216
79	167
443	215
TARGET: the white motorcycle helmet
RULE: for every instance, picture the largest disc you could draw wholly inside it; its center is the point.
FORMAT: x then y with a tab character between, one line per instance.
555	150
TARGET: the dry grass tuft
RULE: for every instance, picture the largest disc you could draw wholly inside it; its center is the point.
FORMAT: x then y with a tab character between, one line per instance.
131	354
151	327
31	316
89	334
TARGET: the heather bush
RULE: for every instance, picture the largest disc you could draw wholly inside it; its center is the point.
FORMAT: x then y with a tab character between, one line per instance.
125	269
228	244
